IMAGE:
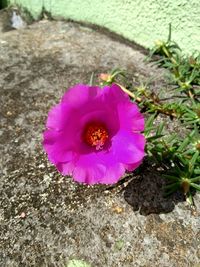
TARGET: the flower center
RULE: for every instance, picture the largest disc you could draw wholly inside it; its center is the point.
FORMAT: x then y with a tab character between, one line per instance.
95	134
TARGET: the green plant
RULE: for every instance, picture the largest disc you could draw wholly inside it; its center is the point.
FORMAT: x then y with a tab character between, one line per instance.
178	154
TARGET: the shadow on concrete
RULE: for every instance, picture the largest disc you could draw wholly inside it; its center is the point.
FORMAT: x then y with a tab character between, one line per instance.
145	193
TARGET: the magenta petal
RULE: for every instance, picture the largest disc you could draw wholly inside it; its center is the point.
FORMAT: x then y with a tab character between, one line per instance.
80	94
115	170
64	140
54	120
130	117
89	169
98	167
66	168
128	147
55	149
128	112
114	95
132	167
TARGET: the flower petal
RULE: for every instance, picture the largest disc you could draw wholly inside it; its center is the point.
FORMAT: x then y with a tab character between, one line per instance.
99	167
65	145
114	95
128	147
53	146
132	167
130	118
79	94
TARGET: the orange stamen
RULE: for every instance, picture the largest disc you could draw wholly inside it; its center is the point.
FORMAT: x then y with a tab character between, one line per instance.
95	134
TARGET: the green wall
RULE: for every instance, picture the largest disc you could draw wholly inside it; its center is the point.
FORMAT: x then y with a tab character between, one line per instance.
3	3
142	21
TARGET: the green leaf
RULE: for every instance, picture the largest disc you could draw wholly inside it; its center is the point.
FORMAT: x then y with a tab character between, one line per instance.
197	187
197	171
148	129
171	138
119	244
171	186
154	137
171	177
183	145
116	72
182	159
196	179
91	79
193	161
171	191
78	263
194	158
149	124
170	33
160	128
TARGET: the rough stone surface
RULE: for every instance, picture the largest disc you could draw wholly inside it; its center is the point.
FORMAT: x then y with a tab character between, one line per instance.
47	219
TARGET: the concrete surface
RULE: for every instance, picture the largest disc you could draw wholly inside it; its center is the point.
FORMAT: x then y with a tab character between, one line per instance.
140	21
47	219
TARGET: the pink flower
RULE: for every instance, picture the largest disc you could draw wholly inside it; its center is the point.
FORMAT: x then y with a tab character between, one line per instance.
94	134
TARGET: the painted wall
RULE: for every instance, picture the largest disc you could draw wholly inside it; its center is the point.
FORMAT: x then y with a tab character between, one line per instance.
142	21
3	3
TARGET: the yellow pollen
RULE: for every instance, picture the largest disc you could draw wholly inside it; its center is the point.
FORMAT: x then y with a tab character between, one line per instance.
95	134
